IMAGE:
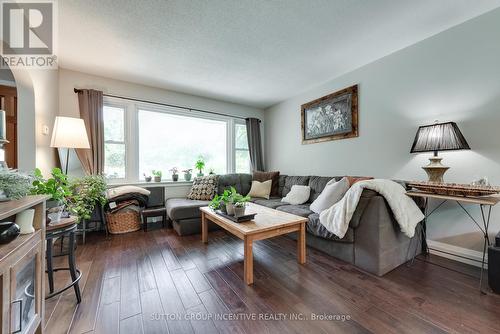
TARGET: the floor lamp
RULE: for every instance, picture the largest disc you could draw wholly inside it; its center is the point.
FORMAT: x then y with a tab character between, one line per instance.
69	132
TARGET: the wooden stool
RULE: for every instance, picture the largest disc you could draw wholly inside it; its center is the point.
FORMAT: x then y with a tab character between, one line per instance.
66	227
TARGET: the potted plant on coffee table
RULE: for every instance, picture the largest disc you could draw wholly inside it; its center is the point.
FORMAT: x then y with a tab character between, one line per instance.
157	175
187	174
200	165
175	174
239	204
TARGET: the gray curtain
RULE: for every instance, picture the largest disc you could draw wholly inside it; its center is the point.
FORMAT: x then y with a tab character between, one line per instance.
91	103
255	144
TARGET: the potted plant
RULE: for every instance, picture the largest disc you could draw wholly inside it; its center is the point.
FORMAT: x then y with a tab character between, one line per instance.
187	174
157	175
147	178
215	203
57	187
211	171
239	209
14	185
175	174
87	193
228	199
200	165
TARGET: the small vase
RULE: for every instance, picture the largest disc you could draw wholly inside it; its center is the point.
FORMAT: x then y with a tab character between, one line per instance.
55	210
148	178
175	177
187	177
239	211
8	232
230	208
157	178
24	220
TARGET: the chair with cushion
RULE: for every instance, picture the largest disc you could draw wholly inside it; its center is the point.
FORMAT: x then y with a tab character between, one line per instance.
155	207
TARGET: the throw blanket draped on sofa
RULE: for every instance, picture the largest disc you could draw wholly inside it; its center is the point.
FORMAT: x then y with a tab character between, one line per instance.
336	219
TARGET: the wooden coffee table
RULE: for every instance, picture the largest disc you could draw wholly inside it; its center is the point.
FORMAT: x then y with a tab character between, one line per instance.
268	223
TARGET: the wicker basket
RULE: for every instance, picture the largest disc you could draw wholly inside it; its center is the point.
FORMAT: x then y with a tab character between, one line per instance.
123	222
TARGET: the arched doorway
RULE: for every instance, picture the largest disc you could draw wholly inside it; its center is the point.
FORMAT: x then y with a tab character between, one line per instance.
8	118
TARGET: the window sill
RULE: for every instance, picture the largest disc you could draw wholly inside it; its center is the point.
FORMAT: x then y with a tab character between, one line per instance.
163	183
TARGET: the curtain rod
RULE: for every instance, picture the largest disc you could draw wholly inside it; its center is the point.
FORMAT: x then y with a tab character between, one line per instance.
76	90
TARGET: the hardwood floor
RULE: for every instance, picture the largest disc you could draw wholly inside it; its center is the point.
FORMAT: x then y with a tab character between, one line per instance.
157	282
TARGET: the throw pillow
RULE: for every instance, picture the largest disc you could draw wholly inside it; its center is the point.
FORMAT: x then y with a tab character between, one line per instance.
297	195
261	189
264	176
204	188
331	194
353	179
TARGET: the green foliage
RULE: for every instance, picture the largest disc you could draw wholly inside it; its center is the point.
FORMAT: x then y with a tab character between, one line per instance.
87	192
57	186
14	184
200	164
156	173
215	203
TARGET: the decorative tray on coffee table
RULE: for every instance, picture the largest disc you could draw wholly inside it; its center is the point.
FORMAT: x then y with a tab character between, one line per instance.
454	189
240	219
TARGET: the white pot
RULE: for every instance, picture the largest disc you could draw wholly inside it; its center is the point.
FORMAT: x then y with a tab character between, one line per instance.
24	220
230	208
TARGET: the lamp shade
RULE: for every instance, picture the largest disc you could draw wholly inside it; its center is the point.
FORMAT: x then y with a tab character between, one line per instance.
439	137
69	132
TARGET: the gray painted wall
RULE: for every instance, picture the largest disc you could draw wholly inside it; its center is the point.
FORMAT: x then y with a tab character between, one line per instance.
453	76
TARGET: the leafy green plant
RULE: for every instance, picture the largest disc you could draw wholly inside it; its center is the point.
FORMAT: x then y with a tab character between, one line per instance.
215	203
156	173
56	186
200	164
15	185
87	192
232	196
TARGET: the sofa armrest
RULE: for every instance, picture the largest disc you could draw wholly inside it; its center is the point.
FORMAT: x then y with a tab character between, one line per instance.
379	244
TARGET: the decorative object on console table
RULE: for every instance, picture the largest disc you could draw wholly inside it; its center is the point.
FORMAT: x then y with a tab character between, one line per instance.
331	117
434	138
454	189
69	132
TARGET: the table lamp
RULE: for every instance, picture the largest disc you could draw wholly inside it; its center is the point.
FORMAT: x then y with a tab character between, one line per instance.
69	132
434	138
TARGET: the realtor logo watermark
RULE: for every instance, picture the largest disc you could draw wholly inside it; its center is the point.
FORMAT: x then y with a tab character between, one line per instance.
28	34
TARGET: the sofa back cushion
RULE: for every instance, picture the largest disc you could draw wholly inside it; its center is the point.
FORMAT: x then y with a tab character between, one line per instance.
241	182
204	188
294	180
317	184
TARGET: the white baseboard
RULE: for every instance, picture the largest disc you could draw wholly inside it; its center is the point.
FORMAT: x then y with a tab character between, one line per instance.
460	254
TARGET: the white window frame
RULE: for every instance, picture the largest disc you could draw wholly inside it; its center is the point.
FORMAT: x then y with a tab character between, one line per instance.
119	104
132	133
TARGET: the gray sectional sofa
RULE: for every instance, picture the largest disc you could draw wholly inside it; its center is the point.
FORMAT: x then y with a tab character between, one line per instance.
373	241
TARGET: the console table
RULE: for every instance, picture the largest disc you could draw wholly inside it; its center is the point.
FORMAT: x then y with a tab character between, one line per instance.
485	204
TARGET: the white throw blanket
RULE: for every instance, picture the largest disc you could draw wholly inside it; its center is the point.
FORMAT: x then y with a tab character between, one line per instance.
336	219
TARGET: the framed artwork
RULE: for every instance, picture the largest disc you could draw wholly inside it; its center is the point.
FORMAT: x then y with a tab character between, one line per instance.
331	117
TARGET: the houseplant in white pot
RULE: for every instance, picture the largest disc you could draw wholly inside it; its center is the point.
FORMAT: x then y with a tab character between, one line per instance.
57	187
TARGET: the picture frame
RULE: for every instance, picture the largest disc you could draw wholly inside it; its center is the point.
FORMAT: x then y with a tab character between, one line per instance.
331	117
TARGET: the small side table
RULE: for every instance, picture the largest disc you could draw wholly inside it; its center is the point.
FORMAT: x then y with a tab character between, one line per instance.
65	227
485	204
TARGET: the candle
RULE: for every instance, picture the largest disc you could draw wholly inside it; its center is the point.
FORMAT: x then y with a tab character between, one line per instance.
3	134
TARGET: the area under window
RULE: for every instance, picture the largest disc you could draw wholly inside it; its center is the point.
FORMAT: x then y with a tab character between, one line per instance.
114	142
241	152
168	140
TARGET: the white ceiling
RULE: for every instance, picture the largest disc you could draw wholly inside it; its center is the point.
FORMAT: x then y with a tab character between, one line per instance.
253	52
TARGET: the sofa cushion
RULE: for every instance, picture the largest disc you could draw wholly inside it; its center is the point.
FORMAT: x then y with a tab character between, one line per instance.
241	182
264	176
272	203
317	184
299	210
182	208
334	191
204	188
281	184
294	180
315	227
297	195
261	189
